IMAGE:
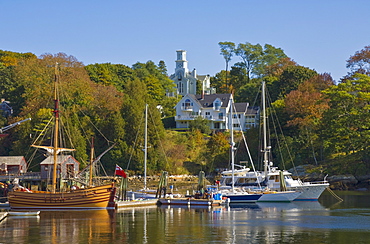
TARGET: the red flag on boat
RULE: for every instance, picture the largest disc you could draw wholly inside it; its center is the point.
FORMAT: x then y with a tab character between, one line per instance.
120	172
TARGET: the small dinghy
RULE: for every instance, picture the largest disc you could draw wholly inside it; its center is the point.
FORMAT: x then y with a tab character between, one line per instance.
33	213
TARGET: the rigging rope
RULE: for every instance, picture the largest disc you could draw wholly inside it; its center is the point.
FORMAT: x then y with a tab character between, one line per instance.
246	146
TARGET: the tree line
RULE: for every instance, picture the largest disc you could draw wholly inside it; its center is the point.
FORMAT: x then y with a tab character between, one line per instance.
323	123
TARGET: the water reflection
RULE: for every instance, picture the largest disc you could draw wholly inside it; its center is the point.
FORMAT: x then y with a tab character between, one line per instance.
296	222
57	227
132	224
70	225
241	221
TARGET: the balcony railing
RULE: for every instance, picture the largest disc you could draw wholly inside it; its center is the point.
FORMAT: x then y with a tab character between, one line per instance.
187	108
207	117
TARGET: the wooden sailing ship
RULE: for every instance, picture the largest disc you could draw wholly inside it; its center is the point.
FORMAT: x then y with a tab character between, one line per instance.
90	197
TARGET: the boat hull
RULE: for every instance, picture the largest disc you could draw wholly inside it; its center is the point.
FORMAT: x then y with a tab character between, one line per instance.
279	196
98	197
242	198
149	194
310	192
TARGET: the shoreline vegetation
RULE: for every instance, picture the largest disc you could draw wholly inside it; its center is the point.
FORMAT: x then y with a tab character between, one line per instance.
322	122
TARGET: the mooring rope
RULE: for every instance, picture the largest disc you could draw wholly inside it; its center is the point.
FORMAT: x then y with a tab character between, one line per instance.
334	195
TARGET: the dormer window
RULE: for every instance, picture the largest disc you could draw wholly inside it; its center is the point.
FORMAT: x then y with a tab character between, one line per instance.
217	105
187	105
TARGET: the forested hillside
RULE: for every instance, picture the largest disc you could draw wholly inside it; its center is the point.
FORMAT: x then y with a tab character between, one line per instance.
325	124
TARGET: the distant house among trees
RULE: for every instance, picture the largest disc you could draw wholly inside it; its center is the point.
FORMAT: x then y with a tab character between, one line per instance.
12	165
5	107
204	103
215	109
186	81
67	167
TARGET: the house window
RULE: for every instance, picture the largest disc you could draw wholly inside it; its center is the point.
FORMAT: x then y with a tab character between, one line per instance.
217	125
250	119
221	115
208	113
180	87
236	125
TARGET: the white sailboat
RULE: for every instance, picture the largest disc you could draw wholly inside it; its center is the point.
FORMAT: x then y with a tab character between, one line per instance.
283	194
272	178
144	193
238	195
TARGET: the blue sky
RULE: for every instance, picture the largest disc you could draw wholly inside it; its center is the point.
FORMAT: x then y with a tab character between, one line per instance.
320	35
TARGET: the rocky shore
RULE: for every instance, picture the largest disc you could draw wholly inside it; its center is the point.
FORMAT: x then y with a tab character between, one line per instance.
337	182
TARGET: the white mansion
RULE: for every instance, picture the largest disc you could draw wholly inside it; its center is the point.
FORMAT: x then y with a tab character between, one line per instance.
216	109
209	105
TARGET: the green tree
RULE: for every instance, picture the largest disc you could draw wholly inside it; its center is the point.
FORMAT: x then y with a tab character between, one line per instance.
289	80
217	153
174	146
271	55
162	67
238	77
359	62
346	125
218	82
81	102
249	93
8	58
200	124
251	56
196	146
110	74
306	107
227	51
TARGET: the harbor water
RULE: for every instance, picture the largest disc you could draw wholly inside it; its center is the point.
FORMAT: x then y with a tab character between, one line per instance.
323	221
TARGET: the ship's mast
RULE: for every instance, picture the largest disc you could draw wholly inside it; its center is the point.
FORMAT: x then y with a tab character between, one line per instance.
91	162
145	143
265	147
56	129
232	144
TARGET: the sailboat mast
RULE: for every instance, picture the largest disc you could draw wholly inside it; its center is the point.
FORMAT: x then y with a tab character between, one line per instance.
231	142
56	129
145	143
265	149
91	161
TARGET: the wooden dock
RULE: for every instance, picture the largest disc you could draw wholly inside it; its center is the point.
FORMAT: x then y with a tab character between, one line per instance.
190	201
